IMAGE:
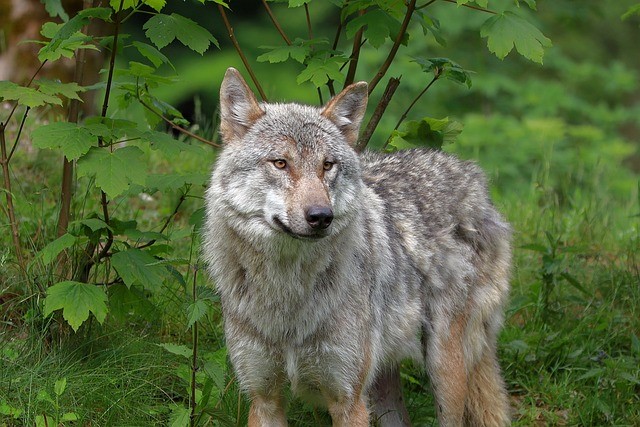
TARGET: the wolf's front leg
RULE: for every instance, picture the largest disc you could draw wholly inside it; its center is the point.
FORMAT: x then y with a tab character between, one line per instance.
267	411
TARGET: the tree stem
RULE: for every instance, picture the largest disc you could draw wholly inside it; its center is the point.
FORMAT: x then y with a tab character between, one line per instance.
394	49
240	53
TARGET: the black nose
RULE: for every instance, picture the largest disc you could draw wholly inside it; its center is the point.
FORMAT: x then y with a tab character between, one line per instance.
319	217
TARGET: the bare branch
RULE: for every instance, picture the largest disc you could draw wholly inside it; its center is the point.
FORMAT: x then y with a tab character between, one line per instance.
240	53
276	23
392	85
394	49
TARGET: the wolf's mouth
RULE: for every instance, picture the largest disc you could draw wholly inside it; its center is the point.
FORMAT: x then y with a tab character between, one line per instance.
290	232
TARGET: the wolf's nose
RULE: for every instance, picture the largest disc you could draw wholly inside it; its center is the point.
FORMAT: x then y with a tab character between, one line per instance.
319	217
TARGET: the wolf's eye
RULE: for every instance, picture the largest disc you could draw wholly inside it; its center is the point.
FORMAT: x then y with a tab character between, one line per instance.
280	164
327	166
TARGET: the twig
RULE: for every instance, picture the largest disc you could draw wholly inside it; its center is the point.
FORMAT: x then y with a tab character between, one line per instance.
429	3
394	49
15	144
392	85
276	23
175	126
470	6
406	112
240	53
355	55
66	188
167	221
15	232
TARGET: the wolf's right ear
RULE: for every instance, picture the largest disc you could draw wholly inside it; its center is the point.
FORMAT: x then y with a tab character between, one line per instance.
239	108
347	109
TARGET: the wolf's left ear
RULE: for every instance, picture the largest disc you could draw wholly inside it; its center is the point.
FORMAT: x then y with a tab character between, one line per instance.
347	109
239	108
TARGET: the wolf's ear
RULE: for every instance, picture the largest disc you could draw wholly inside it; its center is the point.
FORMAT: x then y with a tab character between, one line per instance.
239	108
347	109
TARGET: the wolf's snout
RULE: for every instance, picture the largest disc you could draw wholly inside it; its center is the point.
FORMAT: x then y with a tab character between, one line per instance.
319	217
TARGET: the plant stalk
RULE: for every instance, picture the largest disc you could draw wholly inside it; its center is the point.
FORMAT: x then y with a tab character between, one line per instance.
392	85
13	222
244	59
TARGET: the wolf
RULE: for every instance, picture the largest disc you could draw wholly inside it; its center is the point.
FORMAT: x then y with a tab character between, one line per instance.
334	266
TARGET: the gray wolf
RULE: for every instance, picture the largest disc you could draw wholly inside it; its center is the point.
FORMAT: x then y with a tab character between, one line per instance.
333	266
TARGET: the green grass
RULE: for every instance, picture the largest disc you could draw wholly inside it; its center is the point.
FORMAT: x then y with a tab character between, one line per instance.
570	348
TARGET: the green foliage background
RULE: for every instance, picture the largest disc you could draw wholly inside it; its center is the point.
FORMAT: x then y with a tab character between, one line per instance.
559	137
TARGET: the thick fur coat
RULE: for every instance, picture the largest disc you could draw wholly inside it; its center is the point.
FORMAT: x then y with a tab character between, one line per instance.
332	266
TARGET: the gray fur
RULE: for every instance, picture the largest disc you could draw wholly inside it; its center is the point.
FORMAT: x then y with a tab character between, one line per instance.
414	264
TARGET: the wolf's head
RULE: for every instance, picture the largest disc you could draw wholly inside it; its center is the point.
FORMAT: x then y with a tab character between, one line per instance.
289	168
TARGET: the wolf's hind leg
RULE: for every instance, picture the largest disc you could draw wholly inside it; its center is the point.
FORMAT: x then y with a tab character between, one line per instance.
446	367
487	402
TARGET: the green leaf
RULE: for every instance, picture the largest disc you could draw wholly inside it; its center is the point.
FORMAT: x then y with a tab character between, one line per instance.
444	67
633	10
53	249
162	29
95	224
72	139
68	90
67	37
54	8
9	411
60	386
428	132
481	3
114	171
180	417
180	350
126	4
156	57
196	311
158	5
276	54
319	70
138	267
506	30
124	301
379	26
27	96
69	416
76	301
164	182
298	3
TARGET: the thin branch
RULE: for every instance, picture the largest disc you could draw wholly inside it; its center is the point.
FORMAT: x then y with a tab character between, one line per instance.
429	3
394	49
276	23
355	55
392	85
13	222
240	53
15	144
175	126
470	6
406	112
166	222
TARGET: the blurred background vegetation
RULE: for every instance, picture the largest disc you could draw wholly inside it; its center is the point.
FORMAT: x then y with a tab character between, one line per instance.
560	142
